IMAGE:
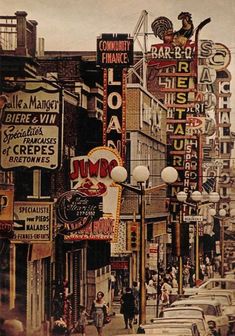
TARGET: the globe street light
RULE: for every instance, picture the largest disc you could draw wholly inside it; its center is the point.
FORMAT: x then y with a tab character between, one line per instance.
141	175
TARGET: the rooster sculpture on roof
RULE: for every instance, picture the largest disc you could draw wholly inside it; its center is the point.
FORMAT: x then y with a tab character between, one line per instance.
163	28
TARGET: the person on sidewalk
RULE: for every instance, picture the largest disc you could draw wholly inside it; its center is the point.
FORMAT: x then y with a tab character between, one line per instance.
136	293
128	307
82	321
99	312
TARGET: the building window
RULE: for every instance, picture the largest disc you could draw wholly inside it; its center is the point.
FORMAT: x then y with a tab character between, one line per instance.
226	164
24	181
226	131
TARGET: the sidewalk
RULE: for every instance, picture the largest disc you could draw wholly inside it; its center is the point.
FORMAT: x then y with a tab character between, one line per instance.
116	326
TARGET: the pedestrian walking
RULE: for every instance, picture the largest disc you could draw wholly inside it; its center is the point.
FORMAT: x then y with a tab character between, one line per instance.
82	321
128	307
68	311
99	312
151	290
164	299
113	285
136	293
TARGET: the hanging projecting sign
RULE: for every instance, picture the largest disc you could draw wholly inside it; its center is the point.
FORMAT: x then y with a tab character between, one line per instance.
33	221
6	212
115	54
114	121
31	128
91	209
115	50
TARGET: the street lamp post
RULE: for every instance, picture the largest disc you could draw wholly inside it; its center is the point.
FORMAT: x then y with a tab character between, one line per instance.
141	175
222	214
196	196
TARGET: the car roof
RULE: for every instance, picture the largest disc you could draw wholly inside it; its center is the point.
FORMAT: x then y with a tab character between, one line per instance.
170	331
212	293
182	308
218	279
175	325
207	301
176	318
216	290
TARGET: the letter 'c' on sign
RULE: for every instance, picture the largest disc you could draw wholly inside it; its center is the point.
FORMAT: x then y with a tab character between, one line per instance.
114	103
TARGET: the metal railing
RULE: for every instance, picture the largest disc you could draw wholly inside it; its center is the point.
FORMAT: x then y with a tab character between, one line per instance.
17	35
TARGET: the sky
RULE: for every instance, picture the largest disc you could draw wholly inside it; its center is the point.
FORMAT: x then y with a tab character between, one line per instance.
74	25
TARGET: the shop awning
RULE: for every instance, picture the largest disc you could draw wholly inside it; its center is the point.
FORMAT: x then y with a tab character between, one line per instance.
39	251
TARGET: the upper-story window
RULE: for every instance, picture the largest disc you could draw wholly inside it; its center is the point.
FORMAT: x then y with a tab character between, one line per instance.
226	131
32	184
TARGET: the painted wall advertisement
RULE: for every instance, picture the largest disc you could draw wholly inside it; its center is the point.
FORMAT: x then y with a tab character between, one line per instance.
31	128
90	210
33	221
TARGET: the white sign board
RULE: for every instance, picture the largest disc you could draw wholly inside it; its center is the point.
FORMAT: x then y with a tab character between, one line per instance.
31	129
193	218
33	221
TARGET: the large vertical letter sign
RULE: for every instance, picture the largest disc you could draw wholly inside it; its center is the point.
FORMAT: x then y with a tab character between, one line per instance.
115	54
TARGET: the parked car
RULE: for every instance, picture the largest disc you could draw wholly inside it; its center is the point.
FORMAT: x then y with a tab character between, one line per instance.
213	313
224	299
166	328
230	274
200	322
218	283
191	313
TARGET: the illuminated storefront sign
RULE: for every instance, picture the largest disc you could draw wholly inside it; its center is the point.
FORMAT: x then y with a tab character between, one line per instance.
91	209
115	55
114	121
31	129
115	50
